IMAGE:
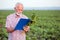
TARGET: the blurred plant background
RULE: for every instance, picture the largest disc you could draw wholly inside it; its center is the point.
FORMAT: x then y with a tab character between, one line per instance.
45	27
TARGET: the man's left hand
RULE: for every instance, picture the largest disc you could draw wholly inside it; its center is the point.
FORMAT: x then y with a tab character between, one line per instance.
26	28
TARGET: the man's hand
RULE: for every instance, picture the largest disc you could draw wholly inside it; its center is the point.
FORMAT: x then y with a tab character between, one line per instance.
26	28
10	29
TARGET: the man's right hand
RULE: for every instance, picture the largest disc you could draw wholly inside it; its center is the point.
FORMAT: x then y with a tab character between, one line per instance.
10	29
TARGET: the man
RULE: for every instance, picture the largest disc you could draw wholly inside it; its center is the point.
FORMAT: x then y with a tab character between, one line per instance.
11	22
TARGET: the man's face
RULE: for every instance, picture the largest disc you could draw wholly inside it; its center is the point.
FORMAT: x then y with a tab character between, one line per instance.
19	8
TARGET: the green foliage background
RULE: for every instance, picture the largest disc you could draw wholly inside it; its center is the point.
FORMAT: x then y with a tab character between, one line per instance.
46	26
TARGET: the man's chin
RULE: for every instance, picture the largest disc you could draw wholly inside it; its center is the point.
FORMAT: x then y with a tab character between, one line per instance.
19	12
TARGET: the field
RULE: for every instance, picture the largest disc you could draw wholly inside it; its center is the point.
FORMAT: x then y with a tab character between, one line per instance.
45	27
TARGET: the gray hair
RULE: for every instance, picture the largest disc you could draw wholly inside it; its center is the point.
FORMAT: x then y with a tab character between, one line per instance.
18	4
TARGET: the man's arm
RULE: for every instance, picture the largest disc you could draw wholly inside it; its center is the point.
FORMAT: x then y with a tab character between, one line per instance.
8	26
